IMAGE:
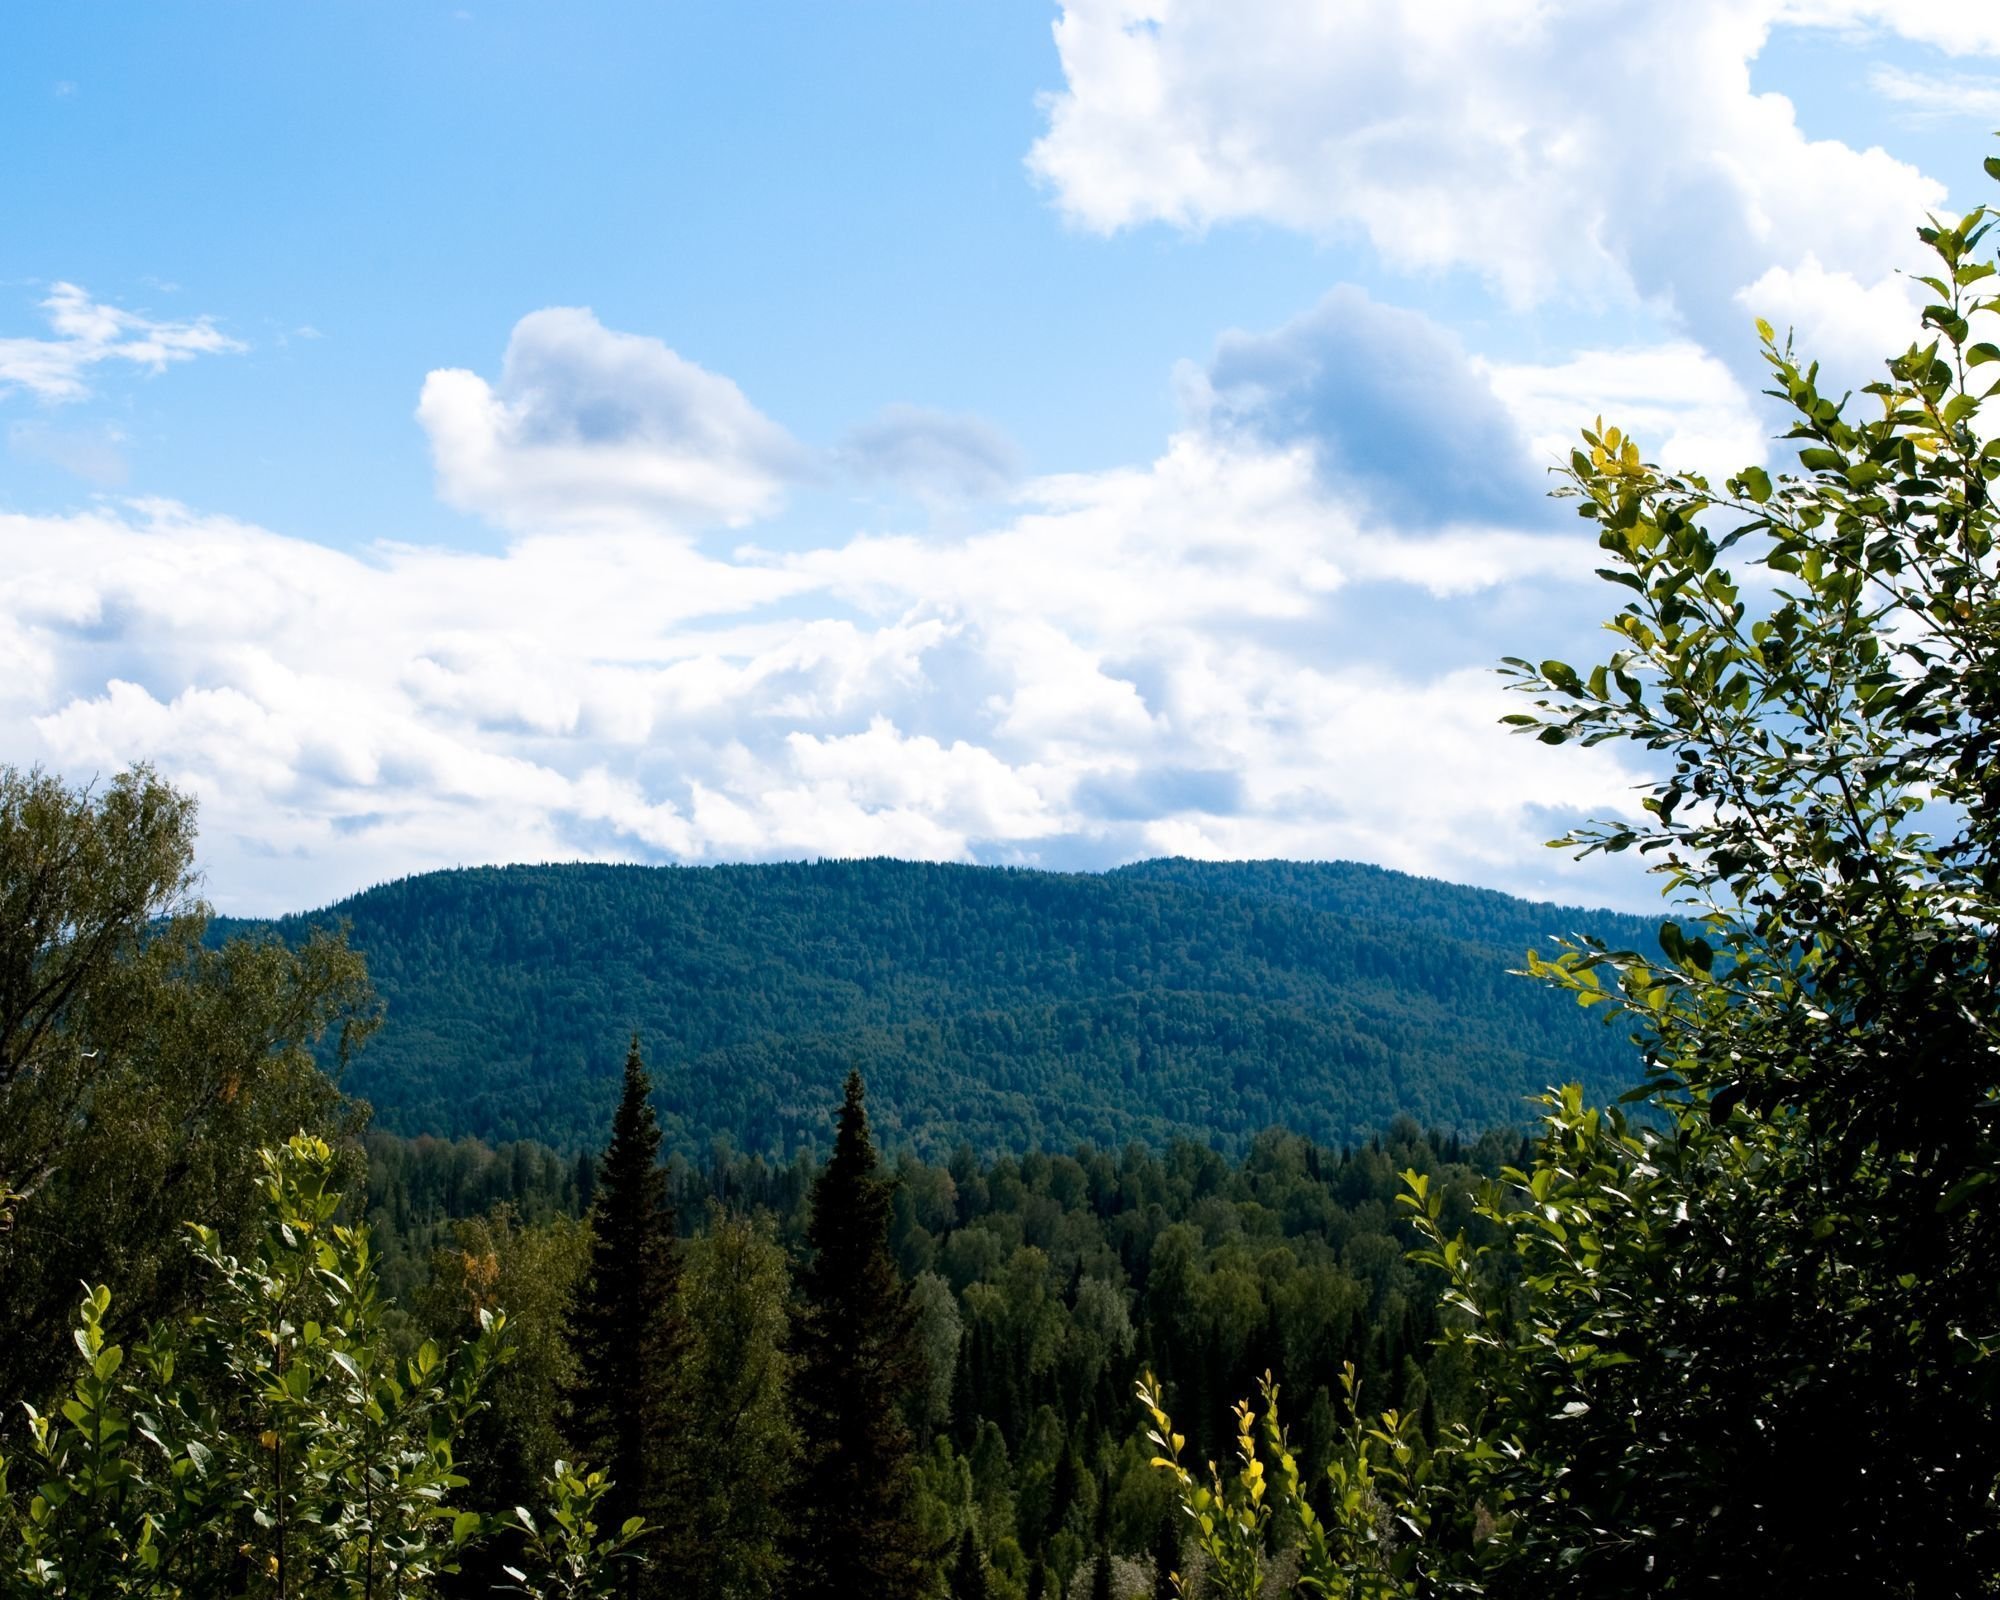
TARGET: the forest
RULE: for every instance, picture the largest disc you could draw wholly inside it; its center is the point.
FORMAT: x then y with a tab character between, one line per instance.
1733	1329
1004	1008
1043	1285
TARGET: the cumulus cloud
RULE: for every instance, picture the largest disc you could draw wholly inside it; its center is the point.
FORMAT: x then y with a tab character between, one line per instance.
1613	150
88	333
934	454
588	428
1847	324
1387	399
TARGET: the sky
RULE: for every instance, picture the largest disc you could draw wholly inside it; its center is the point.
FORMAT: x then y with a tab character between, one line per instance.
976	430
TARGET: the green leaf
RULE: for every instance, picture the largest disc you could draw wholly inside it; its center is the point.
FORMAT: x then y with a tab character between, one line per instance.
1964	1190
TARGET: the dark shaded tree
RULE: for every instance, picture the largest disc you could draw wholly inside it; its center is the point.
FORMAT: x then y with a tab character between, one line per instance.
968	1571
1100	1574
858	1360
625	1325
1167	1557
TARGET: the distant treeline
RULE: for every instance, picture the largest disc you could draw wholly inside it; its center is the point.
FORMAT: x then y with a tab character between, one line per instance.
1010	1010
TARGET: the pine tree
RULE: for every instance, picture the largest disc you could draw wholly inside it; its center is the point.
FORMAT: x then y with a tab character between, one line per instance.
1038	1580
854	1529
625	1325
968	1571
1062	1493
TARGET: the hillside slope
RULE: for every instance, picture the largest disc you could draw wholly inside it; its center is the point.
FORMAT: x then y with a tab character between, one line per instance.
1007	1008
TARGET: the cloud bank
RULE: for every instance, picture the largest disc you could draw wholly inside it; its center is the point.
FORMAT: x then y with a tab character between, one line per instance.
1271	638
1221	652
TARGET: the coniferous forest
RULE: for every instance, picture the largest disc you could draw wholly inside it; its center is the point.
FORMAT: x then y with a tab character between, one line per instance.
1172	1232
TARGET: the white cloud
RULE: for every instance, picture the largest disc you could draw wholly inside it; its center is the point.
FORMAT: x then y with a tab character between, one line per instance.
1388	402
1956	30
1933	97
89	333
1602	149
592	429
1273	638
1847	324
1684	407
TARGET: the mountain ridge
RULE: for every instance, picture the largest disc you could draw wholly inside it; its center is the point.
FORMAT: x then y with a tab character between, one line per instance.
1006	1007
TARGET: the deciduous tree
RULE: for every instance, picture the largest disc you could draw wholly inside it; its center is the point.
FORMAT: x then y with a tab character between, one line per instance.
1755	1344
140	1068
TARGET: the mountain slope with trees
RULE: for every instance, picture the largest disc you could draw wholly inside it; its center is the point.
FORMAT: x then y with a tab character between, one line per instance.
1010	1009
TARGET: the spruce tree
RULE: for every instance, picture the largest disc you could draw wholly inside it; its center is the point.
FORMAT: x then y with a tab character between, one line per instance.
968	1571
625	1325
854	1528
1100	1574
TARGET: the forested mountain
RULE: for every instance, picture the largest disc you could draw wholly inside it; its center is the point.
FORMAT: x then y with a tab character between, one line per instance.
1011	1009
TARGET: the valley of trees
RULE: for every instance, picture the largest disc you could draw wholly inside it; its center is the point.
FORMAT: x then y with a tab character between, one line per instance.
1041	1287
1737	1333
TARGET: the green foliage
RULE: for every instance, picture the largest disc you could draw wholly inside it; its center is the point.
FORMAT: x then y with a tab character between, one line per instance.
421	1191
1101	1574
1750	1344
1167	1556
81	877
514	1443
140	1069
567	1558
1388	1498
1011	1010
270	1445
735	1289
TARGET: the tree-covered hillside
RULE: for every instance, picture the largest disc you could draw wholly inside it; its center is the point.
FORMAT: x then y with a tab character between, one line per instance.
1009	1008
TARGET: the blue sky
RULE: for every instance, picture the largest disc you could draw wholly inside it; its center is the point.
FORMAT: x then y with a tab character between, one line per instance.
991	431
